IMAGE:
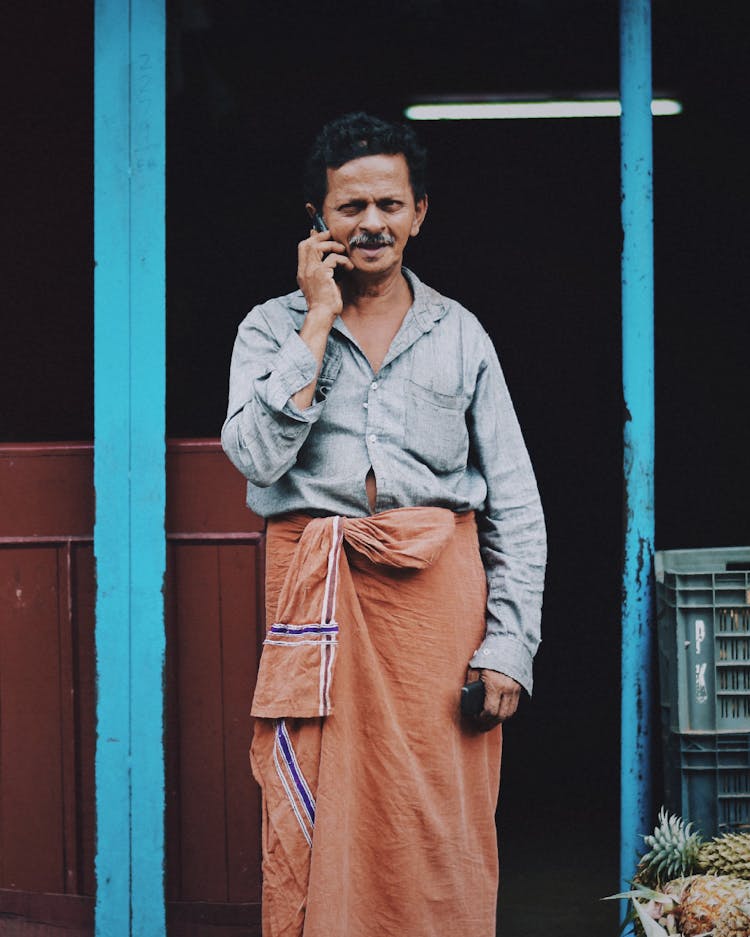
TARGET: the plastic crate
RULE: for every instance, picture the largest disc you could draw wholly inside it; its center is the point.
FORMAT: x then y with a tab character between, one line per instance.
707	779
703	612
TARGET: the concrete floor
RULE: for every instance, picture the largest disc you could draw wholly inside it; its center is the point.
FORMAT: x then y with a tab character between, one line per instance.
553	886
558	831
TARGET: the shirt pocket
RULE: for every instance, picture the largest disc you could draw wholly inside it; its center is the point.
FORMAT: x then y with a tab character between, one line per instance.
435	428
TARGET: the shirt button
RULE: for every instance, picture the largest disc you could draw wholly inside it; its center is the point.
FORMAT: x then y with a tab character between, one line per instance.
364	405
373	437
374	385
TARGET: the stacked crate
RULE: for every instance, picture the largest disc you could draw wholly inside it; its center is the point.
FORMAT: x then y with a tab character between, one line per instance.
703	610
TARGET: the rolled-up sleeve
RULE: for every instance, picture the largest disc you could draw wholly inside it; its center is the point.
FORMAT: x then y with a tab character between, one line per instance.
264	430
512	534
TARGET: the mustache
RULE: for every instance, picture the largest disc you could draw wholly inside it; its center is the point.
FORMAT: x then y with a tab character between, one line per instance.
371	240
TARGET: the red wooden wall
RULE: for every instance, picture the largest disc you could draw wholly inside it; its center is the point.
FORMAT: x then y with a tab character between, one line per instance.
47	692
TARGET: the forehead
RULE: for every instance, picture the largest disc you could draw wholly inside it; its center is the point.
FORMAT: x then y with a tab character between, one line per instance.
379	175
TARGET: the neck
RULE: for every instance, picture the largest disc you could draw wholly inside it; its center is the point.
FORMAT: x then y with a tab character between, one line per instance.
361	289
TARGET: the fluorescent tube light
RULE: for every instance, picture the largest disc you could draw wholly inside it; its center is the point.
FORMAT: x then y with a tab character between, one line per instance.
515	110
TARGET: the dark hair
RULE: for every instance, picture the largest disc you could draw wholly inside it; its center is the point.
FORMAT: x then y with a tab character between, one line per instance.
359	134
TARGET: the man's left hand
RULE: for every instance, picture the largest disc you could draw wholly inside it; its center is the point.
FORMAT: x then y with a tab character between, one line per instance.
501	697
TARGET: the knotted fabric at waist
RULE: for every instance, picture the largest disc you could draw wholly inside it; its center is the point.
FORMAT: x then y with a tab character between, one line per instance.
297	664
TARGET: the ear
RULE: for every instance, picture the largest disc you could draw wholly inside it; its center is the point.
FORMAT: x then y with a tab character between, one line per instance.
420	211
310	208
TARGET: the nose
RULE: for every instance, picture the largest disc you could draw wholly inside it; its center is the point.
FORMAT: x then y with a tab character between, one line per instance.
371	219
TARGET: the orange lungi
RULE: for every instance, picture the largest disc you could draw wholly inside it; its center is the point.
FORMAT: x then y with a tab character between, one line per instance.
378	798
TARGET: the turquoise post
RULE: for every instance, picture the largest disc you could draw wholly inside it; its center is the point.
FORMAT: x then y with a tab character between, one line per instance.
129	447
638	392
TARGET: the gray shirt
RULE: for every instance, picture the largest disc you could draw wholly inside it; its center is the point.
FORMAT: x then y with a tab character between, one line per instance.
436	424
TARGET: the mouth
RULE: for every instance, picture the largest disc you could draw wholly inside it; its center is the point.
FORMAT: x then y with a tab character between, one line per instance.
370	250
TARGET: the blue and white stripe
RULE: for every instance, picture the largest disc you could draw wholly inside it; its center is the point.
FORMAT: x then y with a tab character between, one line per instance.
293	781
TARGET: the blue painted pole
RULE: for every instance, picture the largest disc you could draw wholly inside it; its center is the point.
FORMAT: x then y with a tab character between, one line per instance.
636	815
129	446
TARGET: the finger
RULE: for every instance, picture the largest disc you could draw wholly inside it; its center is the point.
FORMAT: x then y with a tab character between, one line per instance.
492	698
314	253
332	261
329	246
320	241
508	706
486	721
336	250
489	717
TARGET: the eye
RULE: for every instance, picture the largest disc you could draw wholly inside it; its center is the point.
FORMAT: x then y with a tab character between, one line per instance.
351	208
390	205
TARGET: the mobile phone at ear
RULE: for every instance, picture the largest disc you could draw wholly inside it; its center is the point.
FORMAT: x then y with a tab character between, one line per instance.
318	223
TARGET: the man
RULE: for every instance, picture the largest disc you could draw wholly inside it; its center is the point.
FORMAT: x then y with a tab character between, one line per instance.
405	554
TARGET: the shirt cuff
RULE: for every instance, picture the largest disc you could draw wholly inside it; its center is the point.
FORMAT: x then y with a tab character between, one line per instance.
296	367
505	655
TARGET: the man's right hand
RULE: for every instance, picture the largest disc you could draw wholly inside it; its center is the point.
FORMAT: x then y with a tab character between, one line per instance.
317	258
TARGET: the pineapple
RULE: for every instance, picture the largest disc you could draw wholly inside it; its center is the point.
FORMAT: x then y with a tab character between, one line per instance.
676	851
726	855
718	905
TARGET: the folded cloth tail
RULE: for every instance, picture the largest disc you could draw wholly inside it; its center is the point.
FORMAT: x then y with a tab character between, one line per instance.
296	669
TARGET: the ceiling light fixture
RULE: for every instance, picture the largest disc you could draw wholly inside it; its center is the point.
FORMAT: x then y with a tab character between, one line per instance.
532	109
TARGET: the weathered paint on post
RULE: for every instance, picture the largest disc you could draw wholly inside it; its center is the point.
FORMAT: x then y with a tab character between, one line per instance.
638	392
129	538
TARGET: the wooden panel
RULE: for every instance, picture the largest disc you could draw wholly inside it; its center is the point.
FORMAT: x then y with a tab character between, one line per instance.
31	803
68	734
47	489
29	914
47	724
203	919
173	842
82	608
214	607
200	732
239	587
206	492
212	652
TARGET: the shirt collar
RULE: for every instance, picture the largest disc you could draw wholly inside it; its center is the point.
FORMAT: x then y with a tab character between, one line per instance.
427	309
428	306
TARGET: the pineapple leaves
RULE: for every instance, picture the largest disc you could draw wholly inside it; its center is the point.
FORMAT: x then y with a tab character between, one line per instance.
647	894
673	849
651	927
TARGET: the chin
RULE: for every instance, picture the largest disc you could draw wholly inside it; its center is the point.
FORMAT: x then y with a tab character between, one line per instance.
378	264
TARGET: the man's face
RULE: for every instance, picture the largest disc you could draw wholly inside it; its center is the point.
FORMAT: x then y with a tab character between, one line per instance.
370	209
